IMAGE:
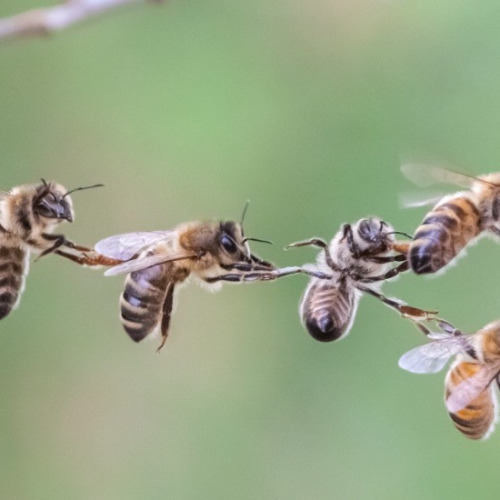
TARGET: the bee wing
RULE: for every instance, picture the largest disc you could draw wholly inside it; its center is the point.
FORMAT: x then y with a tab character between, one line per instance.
145	262
125	246
431	357
423	174
470	388
419	199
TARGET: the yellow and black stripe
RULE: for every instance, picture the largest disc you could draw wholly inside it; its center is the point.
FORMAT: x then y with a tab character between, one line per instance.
142	301
12	275
444	232
327	310
476	419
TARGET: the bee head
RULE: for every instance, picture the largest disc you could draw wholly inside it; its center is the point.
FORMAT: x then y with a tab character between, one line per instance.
233	245
51	202
374	233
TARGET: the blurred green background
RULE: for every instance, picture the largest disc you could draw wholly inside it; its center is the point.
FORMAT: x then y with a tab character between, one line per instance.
184	111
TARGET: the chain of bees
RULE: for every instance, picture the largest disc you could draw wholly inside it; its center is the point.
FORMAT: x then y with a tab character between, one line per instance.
359	259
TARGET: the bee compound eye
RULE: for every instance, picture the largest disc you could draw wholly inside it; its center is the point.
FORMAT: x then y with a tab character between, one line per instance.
365	228
43	210
228	244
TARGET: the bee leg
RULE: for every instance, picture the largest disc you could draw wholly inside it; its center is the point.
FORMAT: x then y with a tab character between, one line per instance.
245	266
353	248
59	241
266	268
65	242
385	260
88	260
280	273
75	258
80	248
402	247
233	278
413	313
267	275
404	266
168	305
317	242
448	328
422	328
260	262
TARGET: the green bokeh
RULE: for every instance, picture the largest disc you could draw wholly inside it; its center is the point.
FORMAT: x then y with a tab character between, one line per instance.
185	110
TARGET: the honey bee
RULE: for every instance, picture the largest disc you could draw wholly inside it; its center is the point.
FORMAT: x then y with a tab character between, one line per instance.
469	393
158	262
358	255
28	216
456	220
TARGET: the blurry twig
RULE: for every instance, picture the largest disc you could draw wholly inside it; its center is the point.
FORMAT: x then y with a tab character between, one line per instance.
40	22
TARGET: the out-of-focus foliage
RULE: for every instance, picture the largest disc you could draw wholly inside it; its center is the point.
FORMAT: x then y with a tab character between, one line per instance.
184	111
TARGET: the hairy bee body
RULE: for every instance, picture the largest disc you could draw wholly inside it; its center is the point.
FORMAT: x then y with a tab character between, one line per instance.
28	216
156	264
13	270
470	397
25	223
476	420
361	253
328	308
456	220
144	303
444	233
142	300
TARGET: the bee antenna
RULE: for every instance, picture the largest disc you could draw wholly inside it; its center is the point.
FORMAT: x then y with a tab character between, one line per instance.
82	188
401	233
43	192
245	208
259	240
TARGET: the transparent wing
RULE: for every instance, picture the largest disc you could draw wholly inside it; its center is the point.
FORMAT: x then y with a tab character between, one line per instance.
470	388
144	262
423	174
419	199
125	246
431	357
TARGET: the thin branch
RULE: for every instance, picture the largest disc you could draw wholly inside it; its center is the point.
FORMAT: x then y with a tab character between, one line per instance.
41	22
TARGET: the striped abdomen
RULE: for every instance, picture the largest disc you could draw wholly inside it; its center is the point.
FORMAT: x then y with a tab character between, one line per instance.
444	232
13	269
142	300
327	310
477	419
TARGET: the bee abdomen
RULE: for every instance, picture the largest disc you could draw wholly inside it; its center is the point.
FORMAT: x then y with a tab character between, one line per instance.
141	303
477	419
12	273
443	234
327	311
